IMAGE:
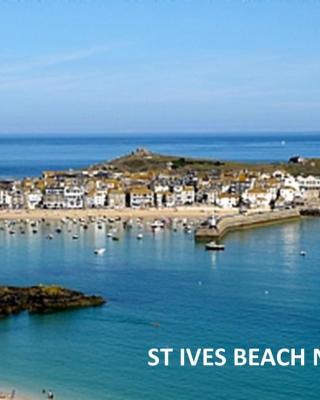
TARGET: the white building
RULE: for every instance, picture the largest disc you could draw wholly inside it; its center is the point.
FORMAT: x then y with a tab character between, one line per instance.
184	195
160	188
73	197
258	197
210	196
33	199
289	194
95	199
53	201
308	183
159	198
188	195
227	200
169	199
177	191
5	198
141	197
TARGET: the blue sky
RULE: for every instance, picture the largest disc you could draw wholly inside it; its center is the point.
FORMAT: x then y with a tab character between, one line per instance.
105	66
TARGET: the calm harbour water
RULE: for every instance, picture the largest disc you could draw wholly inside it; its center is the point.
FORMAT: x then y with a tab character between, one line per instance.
200	299
258	293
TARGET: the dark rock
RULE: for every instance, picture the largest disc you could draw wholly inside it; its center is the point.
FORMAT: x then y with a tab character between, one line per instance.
43	299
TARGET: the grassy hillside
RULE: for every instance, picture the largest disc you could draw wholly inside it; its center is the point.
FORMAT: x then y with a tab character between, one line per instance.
144	161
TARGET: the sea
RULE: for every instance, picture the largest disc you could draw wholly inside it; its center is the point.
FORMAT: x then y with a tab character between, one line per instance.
29	155
164	291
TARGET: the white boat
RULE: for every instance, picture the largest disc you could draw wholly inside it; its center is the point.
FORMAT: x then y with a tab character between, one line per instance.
303	253
75	237
109	234
157	224
214	246
99	252
140	236
49	237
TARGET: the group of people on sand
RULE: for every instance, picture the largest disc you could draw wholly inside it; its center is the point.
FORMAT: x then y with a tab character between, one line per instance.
48	393
7	396
11	396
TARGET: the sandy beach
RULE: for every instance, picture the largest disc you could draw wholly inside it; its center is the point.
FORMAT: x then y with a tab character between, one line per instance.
181	212
13	395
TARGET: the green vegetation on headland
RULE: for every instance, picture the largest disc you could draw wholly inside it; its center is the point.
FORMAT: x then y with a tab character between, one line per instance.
43	299
143	160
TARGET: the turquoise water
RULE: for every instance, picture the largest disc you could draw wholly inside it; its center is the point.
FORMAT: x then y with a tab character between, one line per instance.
259	293
28	156
164	291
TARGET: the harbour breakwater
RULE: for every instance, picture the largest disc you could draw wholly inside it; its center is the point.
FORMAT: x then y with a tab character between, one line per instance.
228	224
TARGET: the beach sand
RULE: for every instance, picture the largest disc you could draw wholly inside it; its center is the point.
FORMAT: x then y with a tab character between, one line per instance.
7	395
152	213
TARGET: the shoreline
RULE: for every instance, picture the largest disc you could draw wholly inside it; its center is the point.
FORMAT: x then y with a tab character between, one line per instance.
6	394
151	213
227	220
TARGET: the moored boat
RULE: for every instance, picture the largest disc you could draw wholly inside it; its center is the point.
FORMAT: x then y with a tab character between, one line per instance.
99	252
157	224
214	246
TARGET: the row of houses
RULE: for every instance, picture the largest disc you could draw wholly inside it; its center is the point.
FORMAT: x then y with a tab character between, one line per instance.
75	197
98	189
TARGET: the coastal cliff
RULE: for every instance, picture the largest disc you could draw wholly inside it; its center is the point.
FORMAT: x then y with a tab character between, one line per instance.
43	299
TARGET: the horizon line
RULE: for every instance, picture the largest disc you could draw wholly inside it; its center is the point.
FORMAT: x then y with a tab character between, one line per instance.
161	133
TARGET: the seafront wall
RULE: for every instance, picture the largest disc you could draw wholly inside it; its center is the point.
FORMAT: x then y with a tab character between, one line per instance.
231	223
310	212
